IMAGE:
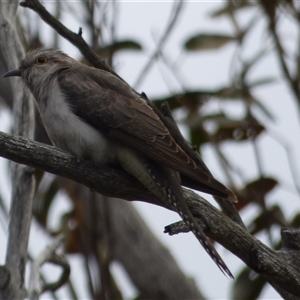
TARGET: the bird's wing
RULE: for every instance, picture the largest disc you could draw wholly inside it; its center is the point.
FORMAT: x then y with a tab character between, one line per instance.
110	105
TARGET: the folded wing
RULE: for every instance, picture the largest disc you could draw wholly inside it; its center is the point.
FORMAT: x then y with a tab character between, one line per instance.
111	106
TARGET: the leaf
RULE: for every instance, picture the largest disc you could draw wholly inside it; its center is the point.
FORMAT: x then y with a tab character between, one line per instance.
296	221
247	288
230	8
262	81
261	187
255	191
128	45
237	130
229	93
191	99
198	137
204	41
273	216
232	93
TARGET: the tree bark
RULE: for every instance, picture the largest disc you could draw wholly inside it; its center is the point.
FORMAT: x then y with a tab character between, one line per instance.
12	285
280	268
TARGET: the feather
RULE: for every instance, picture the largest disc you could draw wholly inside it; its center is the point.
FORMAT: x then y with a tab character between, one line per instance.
124	116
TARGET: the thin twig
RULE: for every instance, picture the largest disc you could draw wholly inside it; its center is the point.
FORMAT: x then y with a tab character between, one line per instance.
48	255
292	80
173	19
290	156
69	35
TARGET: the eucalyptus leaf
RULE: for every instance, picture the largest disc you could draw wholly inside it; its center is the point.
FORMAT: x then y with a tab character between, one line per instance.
125	45
203	41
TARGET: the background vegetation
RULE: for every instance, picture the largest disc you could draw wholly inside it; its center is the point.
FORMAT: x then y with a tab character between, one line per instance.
245	124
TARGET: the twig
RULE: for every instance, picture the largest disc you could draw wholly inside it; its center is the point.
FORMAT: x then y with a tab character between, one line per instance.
48	255
173	19
74	38
227	207
292	80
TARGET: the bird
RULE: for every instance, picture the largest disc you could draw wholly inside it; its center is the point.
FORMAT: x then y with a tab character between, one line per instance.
96	115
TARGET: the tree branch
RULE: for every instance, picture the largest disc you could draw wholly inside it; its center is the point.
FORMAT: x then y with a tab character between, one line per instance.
74	38
48	255
22	176
280	268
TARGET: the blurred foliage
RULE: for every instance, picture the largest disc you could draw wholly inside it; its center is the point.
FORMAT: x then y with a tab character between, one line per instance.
203	127
248	285
207	42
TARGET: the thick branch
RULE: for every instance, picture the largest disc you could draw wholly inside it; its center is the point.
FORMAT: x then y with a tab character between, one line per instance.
108	181
22	176
280	268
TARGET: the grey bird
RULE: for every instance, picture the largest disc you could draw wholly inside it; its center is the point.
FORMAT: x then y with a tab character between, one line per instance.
93	114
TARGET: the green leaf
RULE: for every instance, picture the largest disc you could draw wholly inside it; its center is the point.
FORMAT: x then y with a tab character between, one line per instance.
198	137
204	41
125	45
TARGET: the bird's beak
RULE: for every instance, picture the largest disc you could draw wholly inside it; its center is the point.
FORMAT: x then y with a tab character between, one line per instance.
16	72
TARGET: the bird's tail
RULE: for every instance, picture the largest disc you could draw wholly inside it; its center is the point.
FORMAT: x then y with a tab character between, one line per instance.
168	182
175	197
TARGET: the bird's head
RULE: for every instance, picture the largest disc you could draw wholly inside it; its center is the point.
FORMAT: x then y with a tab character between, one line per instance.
39	64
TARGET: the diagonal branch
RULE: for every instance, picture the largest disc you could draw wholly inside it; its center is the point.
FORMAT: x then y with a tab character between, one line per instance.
173	19
280	268
74	38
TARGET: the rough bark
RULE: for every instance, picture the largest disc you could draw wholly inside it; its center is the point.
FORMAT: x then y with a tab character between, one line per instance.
280	268
22	176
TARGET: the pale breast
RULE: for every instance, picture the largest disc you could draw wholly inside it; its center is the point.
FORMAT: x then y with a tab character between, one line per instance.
68	132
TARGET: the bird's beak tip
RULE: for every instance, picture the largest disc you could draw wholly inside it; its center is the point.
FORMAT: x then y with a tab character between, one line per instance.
16	72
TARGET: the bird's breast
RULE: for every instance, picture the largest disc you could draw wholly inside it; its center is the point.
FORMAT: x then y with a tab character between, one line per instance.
71	133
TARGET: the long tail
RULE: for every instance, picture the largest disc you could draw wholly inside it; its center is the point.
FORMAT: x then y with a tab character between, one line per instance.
164	183
168	182
176	198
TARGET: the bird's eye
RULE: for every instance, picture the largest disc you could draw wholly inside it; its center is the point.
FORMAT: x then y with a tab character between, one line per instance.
40	60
